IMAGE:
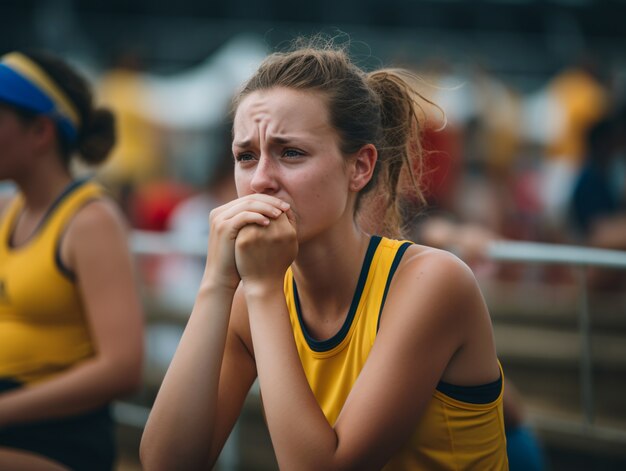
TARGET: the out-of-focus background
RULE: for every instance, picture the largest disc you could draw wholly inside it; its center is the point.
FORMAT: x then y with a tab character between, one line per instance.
534	153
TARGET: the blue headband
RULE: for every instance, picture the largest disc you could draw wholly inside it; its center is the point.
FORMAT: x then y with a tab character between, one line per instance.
26	85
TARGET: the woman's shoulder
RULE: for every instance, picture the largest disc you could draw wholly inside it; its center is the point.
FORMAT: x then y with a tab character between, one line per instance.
438	274
435	298
434	262
97	222
101	211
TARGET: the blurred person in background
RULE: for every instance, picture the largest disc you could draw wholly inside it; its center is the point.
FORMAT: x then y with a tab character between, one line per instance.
581	98
70	318
600	190
137	158
360	342
598	201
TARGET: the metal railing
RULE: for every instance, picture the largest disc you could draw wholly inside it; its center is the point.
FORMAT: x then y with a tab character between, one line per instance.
581	258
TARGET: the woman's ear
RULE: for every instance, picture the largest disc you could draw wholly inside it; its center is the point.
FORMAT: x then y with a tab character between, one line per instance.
363	167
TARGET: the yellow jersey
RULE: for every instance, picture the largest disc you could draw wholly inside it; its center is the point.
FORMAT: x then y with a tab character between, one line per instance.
453	434
43	328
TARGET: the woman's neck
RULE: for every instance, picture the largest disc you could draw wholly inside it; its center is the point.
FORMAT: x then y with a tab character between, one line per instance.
326	272
42	186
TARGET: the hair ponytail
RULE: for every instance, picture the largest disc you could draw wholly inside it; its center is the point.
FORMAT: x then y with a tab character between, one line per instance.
97	137
399	148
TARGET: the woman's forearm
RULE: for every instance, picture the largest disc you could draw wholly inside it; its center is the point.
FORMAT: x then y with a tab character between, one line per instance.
181	423
86	386
302	437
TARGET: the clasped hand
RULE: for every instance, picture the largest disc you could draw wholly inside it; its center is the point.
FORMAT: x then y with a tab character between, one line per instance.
252	238
263	253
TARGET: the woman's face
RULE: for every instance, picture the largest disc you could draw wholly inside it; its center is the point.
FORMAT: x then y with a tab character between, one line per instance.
284	146
14	143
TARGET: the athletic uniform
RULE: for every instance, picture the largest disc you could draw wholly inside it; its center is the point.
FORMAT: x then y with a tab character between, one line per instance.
462	427
44	331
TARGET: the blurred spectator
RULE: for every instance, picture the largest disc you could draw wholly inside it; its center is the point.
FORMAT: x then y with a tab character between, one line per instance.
600	189
522	446
137	157
582	100
70	318
598	203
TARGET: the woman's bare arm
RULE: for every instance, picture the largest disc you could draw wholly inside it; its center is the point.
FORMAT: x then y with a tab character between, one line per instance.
212	370
211	367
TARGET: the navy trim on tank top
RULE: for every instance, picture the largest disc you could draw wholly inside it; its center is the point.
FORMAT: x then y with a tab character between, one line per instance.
69	274
65	271
329	344
66	191
392	271
481	394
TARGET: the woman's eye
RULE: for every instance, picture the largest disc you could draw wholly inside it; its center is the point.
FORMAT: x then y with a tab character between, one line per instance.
292	153
244	157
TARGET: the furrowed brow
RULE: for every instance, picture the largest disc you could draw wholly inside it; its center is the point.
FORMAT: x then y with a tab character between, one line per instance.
245	143
282	140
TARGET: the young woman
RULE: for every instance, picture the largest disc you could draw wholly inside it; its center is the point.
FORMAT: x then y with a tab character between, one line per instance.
70	319
370	352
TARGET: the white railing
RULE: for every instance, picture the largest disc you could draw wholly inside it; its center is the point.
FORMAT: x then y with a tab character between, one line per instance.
532	252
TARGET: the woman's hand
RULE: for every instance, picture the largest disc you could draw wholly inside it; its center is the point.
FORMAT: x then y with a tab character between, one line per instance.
226	222
263	254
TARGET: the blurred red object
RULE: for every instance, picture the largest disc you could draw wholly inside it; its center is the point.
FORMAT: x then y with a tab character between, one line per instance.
152	204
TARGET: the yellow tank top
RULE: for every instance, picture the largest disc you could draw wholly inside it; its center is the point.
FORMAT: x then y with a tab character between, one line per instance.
43	328
452	434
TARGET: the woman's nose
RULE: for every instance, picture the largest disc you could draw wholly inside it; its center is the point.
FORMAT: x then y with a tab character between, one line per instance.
264	179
